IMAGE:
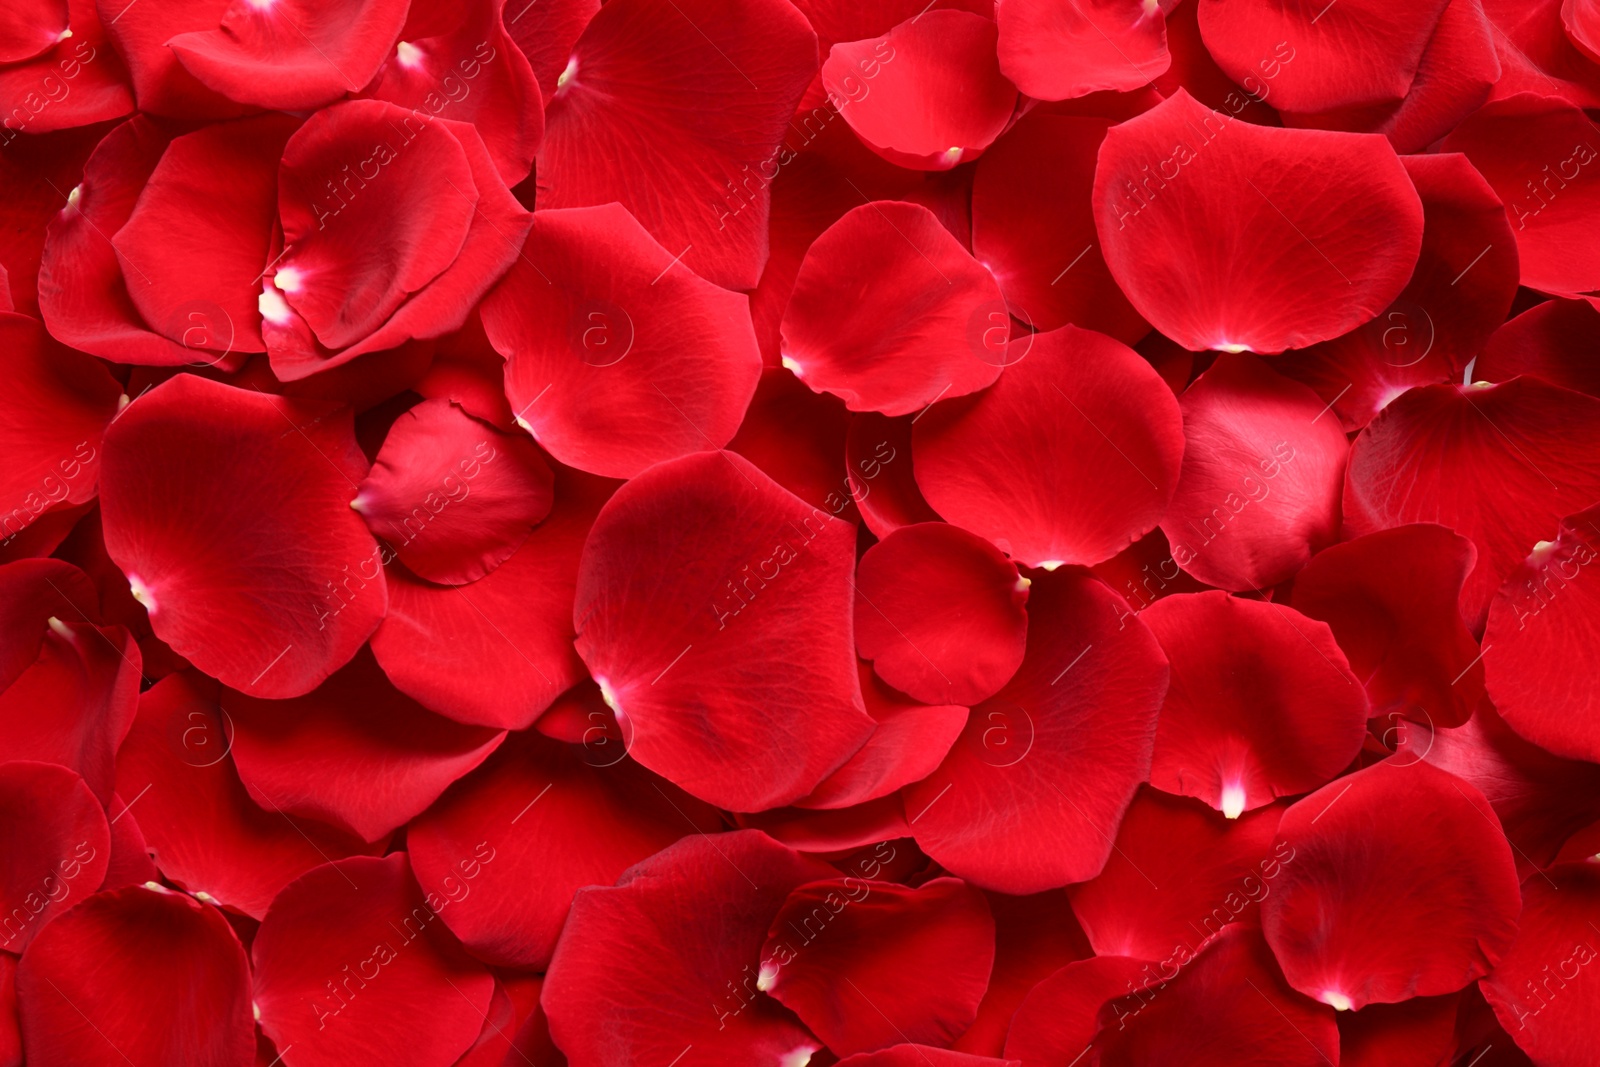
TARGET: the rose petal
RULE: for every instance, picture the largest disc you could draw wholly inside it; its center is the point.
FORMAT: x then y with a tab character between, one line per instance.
879	473
1056	53
58	847
1034	937
1550	340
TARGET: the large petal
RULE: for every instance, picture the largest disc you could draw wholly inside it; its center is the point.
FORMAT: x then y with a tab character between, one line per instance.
727	648
1232	236
229	511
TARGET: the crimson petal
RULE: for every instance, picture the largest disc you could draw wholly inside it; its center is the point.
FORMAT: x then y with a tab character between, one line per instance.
1061	1015
1551	341
58	846
1315	207
727	648
229	512
1034	937
880	476
1056	53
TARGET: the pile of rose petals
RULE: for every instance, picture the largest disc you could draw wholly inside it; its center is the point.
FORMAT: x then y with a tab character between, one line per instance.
684	533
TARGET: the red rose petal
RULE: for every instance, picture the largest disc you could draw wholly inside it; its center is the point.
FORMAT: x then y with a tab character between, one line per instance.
1068	458
1540	799
926	95
356	752
1195	71
1033	226
666	964
205	831
1262	472
457	60
1458	295
546	34
889	313
498	651
1056	53
292	55
1543	623
160	83
1550	340
1204	1017
1262	702
798	438
921	1056
1365	52
1033	789
437	494
29	27
76	81
32	591
229	512
940	612
1034	937
39	173
1581	18
886	943
1537	55
352	965
10	1026
1499	464
648	81
1535	151
130	862
1178	875
57	404
1061	1015
156	955
880	476
908	744
1419	1030
1316	203
1373	907
1393	600
727	648
58	845
629	359
510	845
1539	991
833	830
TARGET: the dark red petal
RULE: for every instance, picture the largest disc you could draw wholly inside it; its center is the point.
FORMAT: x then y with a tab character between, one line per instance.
75	704
940	612
454	496
1551	341
1537	55
628	358
1061	1015
510	845
1056	53
921	1056
926	95
468	370
130	862
155	954
498	651
890	313
1262	470
833	830
32	591
1033	226
1145	571
1178	875
1415	1031
356	752
1541	800
230	513
705	90
1457	71
1071	456
206	833
727	649
1366	51
1393	600
1458	295
292	55
78	81
10	1025
1206	1018
1498	464
1375	903
56	407
1194	71
457	61
798	438
880	476
140	34
1540	992
1534	151
83	293
1034	937
57	847
1313	209
353	966
546	34
39	173
1544	626
1262	703
909	743
666	964
1031	793
869	964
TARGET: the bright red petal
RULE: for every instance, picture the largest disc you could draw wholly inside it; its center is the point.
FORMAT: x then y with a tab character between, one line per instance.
1057	53
58	846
